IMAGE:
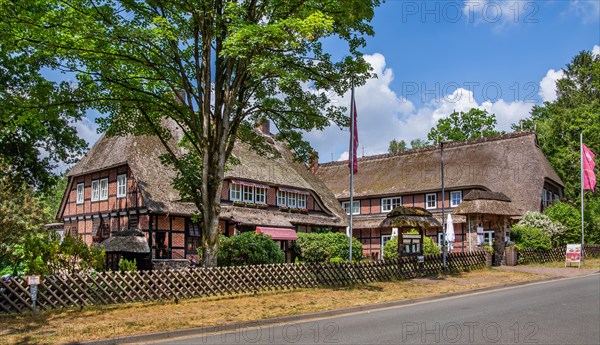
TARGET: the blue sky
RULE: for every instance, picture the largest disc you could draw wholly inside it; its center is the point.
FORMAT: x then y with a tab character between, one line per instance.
433	57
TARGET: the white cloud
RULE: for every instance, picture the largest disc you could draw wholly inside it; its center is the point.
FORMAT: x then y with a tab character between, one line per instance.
596	50
587	10
383	115
500	14
87	130
548	85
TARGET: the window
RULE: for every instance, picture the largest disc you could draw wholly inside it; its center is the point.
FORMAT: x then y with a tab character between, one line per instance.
260	195
235	192
455	198
95	190
292	200
80	189
121	186
388	204
431	201
247	193
281	198
355	207
193	238
301	200
104	189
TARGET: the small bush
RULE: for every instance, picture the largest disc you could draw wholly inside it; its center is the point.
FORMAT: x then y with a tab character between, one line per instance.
555	230
248	248
570	217
322	247
528	237
390	249
127	265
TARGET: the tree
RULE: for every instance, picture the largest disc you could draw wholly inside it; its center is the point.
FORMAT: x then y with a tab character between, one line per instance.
36	115
212	67
576	110
397	146
20	214
461	126
325	247
419	144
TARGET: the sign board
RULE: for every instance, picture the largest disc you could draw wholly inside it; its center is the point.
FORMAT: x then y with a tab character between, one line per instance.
420	259
33	280
573	254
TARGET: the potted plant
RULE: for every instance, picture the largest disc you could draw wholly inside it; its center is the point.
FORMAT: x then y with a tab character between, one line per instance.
251	205
284	209
262	206
239	203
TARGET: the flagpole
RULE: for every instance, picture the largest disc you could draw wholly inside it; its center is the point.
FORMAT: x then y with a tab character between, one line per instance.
351	154
582	199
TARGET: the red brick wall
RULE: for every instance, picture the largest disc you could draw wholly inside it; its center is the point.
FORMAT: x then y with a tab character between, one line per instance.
225	190
376	205
365	207
133	199
272	196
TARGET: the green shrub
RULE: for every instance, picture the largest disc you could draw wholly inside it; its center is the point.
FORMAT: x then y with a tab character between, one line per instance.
555	230
248	248
570	217
528	237
390	249
127	265
321	247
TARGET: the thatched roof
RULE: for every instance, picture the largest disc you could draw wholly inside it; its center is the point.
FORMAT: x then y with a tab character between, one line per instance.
414	217
246	216
129	241
511	163
486	195
142	154
485	202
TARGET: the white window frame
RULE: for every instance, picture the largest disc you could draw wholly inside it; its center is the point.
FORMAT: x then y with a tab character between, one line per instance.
292	200
121	186
235	192
452	204
281	198
355	207
427	207
302	200
104	189
247	193
95	190
260	195
80	193
388	204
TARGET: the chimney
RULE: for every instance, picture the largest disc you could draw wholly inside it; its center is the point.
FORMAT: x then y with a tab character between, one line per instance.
313	162
264	126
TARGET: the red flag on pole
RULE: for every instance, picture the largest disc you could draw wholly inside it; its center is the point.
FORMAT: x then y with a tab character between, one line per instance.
589	178
353	137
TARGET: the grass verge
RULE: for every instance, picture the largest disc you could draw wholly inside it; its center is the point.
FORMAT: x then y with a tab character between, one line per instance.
589	263
57	327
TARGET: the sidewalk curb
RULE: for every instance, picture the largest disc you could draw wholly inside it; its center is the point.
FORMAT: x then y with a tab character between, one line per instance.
165	335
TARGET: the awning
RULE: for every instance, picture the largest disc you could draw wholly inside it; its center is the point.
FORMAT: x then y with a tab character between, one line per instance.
293	191
249	184
279	234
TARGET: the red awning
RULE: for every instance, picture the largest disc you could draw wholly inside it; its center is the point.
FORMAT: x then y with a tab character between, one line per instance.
279	234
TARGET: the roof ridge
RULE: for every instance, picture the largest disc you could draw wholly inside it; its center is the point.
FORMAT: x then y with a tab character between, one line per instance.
505	136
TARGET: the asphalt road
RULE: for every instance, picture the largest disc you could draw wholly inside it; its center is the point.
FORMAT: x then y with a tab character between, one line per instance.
558	312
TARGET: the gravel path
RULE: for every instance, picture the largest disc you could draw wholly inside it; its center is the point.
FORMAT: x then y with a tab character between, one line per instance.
550	271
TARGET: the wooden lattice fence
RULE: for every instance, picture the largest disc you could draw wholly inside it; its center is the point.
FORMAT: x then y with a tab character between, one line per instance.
530	256
80	290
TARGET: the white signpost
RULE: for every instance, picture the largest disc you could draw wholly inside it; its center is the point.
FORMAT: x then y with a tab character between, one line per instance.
33	282
573	254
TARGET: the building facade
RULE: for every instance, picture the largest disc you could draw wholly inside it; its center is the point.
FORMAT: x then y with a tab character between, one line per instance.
121	184
512	164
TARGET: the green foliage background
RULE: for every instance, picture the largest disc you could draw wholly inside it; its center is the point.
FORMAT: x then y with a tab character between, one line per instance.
248	248
323	247
390	249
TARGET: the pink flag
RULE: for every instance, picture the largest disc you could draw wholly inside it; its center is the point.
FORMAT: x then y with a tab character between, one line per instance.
589	178
354	140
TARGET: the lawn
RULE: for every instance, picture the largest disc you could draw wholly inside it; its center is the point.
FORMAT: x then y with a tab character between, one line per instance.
57	327
590	263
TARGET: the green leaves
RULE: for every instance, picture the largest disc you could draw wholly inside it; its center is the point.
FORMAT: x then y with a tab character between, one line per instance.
322	247
248	248
463	126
